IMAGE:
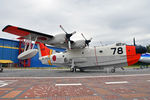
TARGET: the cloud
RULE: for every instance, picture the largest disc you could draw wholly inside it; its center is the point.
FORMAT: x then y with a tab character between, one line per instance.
104	20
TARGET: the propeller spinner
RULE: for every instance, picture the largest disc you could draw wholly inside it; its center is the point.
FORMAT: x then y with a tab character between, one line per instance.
68	35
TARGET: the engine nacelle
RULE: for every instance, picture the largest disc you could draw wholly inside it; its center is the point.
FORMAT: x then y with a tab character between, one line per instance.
78	44
59	39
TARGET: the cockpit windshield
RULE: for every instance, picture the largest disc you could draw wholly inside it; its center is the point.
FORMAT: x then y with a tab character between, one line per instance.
120	44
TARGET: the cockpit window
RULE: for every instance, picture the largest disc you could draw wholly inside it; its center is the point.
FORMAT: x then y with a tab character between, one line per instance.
120	44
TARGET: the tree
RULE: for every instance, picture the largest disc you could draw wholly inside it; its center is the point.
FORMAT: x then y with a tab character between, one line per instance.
148	48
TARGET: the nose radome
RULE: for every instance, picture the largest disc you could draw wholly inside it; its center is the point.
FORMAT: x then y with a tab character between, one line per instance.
141	49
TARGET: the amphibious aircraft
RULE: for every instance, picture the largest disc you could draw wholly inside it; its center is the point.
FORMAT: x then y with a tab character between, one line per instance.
78	54
144	61
145	58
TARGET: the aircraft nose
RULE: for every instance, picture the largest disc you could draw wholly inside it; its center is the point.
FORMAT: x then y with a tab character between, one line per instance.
141	49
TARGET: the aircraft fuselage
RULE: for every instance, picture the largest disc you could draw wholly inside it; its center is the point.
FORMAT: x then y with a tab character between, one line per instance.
90	57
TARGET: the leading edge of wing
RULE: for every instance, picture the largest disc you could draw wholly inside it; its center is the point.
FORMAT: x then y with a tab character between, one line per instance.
22	32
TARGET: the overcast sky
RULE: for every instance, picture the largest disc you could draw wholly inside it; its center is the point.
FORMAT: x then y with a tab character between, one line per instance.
108	21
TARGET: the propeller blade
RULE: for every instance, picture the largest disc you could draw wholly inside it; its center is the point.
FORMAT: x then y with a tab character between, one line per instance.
134	41
91	38
83	36
63	29
73	32
86	41
68	35
139	48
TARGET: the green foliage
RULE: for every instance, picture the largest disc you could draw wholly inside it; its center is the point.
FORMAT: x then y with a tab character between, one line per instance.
148	48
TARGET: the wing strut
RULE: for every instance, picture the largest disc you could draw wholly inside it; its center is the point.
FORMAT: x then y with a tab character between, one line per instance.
35	42
29	50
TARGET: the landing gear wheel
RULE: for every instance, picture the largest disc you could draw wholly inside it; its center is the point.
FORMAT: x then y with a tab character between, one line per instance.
1	70
113	70
81	70
73	69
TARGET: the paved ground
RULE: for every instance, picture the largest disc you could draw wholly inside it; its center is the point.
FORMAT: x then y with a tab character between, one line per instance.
67	73
75	86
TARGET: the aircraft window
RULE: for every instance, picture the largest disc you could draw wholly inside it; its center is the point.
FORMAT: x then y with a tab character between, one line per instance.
82	52
100	51
63	56
120	44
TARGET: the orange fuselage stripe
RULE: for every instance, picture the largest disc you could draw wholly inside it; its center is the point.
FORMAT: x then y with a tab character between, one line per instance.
132	57
49	61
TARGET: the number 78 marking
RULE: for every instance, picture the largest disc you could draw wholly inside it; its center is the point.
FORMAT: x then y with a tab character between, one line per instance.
119	50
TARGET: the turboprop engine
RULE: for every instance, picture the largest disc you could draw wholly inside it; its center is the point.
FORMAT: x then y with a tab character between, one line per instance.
59	39
62	38
79	44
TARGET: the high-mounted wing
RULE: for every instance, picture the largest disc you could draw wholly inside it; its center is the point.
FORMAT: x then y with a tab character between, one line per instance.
28	34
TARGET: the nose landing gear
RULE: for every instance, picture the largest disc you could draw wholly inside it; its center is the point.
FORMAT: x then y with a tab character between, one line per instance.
73	68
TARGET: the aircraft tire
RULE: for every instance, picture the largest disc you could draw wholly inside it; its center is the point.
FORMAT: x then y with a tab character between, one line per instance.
1	70
73	69
113	70
81	70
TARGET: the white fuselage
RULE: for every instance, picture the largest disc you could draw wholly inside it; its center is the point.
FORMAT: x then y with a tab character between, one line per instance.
105	56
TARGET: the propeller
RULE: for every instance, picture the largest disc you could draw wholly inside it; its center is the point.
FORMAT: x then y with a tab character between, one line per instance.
139	49
86	41
68	35
134	41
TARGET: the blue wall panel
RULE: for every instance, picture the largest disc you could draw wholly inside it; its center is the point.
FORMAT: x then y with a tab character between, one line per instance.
7	51
1	49
15	52
1	53
15	55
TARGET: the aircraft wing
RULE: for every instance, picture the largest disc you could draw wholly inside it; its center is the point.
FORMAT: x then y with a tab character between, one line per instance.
57	41
27	34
